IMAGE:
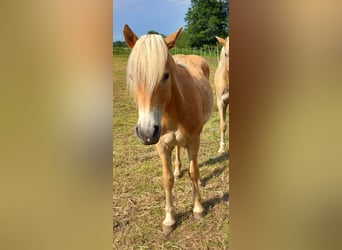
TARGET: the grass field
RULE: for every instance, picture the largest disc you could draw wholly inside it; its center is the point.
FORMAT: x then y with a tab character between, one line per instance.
138	194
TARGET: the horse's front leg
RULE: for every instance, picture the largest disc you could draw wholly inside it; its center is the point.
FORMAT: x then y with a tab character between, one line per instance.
168	180
194	175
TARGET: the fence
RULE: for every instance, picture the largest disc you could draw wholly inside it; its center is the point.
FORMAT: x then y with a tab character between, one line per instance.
212	55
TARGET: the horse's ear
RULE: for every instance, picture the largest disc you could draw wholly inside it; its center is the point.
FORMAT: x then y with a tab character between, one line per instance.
172	39
221	40
130	37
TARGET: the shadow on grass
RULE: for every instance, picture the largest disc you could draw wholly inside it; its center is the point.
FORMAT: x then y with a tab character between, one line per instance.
217	159
207	205
217	171
210	162
184	172
213	174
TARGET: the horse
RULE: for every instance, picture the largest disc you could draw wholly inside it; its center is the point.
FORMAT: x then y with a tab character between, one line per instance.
222	89
174	100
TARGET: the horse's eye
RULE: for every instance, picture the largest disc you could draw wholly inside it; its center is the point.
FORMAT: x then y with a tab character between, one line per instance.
165	76
226	54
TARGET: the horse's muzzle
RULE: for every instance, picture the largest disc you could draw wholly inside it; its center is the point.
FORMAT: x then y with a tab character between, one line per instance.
150	135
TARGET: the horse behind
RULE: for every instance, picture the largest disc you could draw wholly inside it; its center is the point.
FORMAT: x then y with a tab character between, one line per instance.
222	89
174	100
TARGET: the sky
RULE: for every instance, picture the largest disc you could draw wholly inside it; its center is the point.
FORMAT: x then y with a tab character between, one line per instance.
163	16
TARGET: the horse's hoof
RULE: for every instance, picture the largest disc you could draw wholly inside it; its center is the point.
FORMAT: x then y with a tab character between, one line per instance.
176	177
221	152
198	215
167	229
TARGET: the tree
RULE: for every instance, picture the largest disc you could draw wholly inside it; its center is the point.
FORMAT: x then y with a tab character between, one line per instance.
155	32
119	44
182	41
206	19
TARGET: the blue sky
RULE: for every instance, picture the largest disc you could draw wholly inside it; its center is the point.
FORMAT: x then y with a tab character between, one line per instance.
163	16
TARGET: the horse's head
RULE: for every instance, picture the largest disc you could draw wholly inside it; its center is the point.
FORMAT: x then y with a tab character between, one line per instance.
149	77
224	51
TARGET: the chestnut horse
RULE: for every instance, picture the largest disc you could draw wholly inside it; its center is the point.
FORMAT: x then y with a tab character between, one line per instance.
175	100
222	89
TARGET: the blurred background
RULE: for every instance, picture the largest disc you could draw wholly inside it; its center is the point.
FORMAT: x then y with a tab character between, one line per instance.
56	124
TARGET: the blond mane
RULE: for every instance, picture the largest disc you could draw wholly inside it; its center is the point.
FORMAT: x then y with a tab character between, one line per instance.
146	63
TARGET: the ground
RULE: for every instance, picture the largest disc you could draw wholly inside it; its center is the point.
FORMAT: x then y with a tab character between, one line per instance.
138	194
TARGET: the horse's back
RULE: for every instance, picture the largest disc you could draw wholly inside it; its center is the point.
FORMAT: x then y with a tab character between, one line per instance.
197	65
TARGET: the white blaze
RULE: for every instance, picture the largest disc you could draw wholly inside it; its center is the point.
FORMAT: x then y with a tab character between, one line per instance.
149	118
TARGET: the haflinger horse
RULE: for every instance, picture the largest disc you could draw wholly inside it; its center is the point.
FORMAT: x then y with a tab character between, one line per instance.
175	100
222	89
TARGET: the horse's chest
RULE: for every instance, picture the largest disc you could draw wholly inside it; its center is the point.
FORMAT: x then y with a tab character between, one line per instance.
174	138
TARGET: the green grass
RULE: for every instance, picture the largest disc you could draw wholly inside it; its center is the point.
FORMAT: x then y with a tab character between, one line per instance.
138	194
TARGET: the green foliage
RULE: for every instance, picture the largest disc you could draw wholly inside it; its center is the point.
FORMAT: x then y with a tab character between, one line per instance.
205	20
182	41
119	44
155	32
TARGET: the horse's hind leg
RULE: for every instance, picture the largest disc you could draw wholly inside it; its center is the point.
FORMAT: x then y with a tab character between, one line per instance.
222	108
168	180
194	176
177	163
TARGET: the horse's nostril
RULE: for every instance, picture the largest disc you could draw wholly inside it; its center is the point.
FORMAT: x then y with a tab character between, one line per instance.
150	136
155	131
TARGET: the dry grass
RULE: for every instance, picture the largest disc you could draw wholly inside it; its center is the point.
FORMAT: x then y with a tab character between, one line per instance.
138	196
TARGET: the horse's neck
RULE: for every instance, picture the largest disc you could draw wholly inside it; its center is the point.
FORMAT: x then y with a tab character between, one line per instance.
224	65
223	62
